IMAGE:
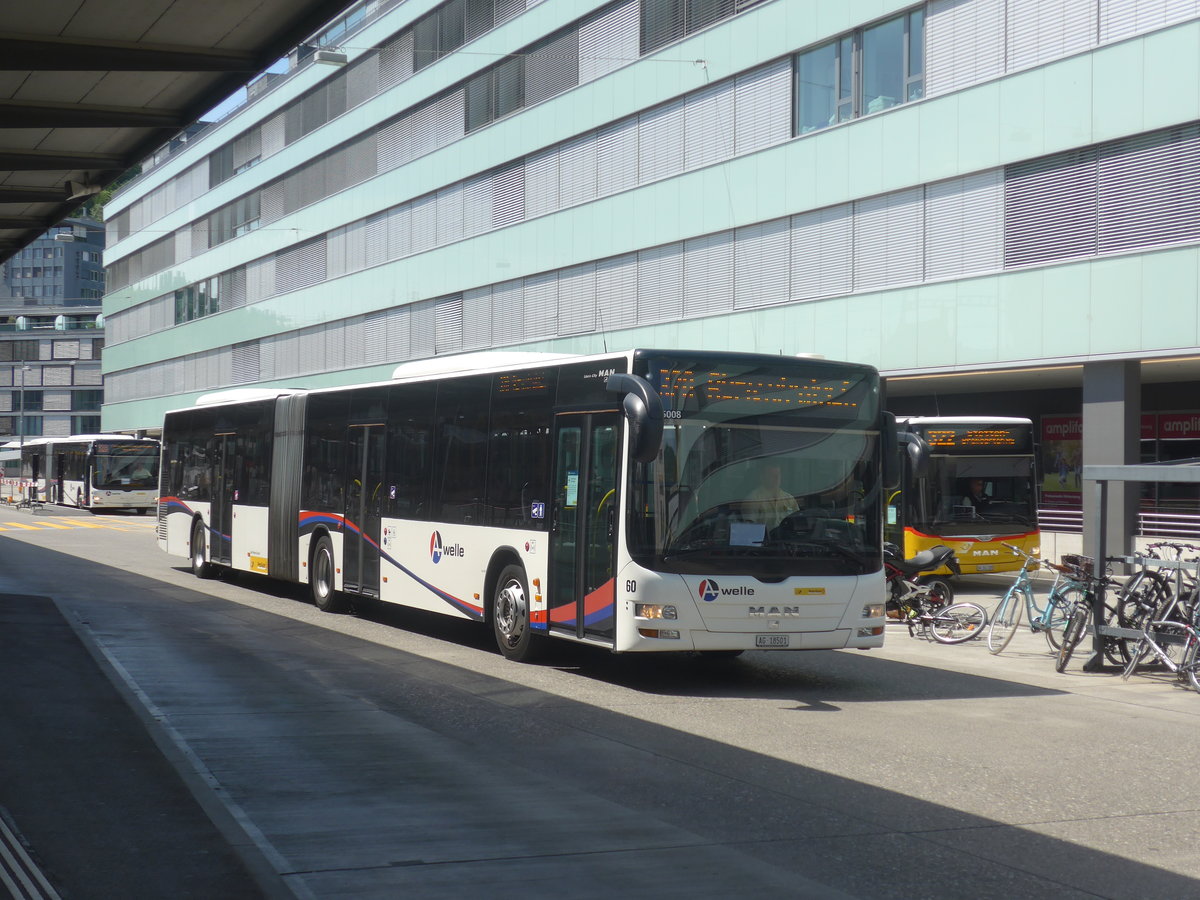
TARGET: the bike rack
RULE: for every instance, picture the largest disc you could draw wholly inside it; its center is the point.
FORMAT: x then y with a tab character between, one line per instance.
1183	471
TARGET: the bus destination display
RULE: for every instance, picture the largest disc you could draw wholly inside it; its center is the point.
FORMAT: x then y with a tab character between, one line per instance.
978	439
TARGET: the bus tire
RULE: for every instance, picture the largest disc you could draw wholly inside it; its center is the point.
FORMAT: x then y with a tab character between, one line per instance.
201	567
321	578
510	615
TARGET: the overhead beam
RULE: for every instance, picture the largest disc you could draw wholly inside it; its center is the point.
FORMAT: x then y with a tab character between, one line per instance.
20	160
20	221
32	194
41	54
62	115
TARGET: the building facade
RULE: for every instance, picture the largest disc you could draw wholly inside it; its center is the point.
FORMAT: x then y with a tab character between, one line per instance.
942	189
52	334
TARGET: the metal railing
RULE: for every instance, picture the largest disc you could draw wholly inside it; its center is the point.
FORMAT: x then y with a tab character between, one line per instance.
1158	524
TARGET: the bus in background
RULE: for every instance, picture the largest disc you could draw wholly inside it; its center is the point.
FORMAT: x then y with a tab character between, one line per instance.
89	471
638	501
968	483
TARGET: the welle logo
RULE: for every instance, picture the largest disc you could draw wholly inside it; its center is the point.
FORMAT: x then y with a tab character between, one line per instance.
437	549
710	591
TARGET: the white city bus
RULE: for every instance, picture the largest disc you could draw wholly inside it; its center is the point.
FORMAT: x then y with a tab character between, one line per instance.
88	471
608	500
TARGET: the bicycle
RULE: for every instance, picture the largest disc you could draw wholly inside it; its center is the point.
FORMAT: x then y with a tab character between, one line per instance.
1149	591
1020	599
926	608
1161	634
1081	572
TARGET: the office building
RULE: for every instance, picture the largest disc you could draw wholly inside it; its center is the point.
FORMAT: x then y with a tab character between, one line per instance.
52	334
993	201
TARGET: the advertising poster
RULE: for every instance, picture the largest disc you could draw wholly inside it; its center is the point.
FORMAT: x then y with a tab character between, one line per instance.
1061	461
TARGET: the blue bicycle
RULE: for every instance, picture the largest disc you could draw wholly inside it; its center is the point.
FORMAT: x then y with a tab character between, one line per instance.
1020	599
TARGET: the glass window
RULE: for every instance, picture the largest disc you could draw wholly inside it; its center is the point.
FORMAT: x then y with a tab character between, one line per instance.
859	73
662	22
915	82
518	469
410	450
480	18
479	101
883	72
425	41
452	26
816	88
32	400
510	86
87	400
702	13
460	457
324	474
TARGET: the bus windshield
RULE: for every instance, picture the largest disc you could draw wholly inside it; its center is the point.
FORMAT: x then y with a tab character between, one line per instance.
973	495
761	473
125	467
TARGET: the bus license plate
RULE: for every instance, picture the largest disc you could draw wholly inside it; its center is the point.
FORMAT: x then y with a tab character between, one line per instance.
986	567
771	640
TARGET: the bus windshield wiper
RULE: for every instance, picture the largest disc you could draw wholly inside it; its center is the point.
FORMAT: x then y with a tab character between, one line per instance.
821	544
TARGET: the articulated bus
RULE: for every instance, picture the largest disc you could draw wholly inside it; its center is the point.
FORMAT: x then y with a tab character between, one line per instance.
89	471
607	500
968	483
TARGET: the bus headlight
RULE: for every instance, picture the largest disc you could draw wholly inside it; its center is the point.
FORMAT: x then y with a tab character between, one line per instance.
657	611
873	611
660	634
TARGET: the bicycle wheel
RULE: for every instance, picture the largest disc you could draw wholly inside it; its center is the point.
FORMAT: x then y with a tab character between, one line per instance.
957	623
1076	626
1191	663
1006	620
1053	619
940	591
1144	593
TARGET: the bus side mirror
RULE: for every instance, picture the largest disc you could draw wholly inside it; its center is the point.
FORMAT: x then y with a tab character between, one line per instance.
644	412
918	453
890	447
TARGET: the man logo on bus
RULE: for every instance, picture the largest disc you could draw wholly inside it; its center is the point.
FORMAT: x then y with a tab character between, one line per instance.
435	547
709	590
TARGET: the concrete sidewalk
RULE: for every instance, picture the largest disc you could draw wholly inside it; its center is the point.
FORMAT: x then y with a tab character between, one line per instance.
83	783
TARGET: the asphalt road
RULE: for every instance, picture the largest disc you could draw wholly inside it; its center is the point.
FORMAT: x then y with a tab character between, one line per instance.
167	737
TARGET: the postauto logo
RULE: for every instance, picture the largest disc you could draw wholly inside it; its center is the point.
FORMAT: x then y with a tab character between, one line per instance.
437	550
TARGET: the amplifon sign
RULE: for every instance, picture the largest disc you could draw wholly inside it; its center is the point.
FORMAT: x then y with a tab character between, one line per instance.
1177	426
1070	428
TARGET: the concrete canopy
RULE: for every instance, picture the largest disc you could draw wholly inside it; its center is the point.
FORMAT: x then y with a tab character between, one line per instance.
89	88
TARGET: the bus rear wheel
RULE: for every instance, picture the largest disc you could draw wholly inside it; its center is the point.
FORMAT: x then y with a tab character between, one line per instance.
321	578
510	615
201	567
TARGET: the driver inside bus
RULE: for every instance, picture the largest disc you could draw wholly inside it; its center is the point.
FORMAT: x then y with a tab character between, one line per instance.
976	496
769	503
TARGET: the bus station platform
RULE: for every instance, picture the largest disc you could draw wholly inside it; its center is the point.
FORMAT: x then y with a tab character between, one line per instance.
81	776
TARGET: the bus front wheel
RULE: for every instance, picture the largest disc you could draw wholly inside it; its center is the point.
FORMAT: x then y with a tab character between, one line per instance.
201	567
510	615
321	578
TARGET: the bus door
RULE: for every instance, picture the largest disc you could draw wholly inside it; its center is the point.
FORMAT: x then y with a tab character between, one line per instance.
582	588
222	458
364	509
60	465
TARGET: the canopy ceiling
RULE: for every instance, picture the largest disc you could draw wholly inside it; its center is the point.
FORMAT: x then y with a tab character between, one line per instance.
89	88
